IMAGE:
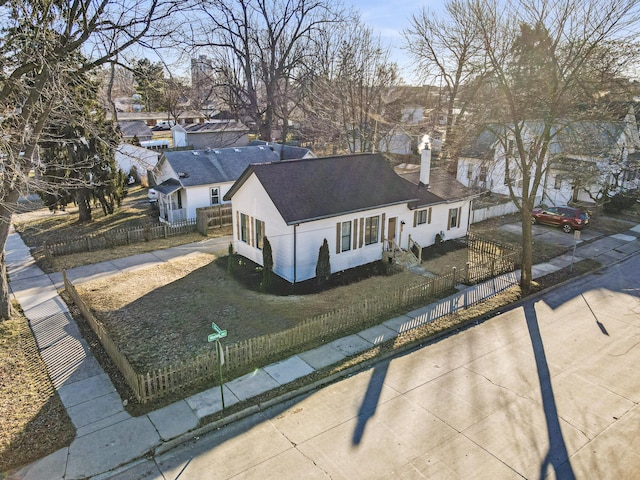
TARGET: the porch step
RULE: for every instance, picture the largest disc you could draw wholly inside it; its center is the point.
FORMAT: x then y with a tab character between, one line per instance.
406	259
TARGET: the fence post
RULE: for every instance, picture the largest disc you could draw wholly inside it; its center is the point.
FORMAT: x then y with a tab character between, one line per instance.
467	273
454	276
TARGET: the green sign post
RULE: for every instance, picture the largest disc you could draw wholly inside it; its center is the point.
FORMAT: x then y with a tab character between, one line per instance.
215	337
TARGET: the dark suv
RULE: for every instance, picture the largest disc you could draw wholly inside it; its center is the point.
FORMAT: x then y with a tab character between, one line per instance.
568	218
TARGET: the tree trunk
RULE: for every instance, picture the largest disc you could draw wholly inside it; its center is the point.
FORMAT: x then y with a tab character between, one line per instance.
527	250
6	207
84	207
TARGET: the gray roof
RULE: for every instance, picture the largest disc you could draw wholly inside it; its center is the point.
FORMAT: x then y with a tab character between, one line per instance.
574	137
131	128
442	188
316	188
220	165
216	126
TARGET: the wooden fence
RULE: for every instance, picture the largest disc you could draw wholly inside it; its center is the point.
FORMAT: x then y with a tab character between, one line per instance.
109	345
258	351
116	237
211	217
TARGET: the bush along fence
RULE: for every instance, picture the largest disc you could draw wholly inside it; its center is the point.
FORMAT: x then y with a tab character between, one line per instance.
117	237
259	351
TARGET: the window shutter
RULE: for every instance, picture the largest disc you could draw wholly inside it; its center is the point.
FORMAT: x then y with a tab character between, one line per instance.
338	237
415	218
355	234
459	217
238	226
449	220
252	237
361	232
429	215
382	229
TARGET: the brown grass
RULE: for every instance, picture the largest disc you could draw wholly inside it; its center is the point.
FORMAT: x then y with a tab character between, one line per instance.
175	303
33	421
41	226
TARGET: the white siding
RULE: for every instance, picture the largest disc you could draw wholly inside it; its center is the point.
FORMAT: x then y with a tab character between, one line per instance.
200	196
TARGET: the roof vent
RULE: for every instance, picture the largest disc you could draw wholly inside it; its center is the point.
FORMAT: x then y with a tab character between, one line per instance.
217	152
183	175
195	153
237	150
261	148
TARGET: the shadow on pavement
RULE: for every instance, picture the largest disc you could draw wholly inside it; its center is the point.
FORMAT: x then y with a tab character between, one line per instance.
370	400
557	455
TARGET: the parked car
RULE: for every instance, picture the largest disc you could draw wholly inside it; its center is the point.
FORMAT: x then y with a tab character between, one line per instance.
568	218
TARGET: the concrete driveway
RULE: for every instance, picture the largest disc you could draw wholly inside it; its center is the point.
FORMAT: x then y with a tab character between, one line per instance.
554	235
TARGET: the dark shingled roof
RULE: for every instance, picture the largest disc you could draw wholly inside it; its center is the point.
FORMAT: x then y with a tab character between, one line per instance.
221	165
315	188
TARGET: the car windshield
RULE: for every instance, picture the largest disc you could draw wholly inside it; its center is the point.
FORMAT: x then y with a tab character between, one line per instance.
584	215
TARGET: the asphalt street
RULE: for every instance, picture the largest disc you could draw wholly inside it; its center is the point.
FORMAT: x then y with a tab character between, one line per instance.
547	389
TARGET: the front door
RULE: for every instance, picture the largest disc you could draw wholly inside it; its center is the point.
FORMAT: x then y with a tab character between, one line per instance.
391	231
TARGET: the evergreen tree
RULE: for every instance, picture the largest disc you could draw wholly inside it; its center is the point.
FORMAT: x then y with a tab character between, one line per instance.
267	265
149	79
79	154
323	267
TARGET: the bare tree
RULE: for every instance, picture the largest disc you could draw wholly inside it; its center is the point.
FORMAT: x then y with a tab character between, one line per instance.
347	104
542	55
257	47
38	55
447	50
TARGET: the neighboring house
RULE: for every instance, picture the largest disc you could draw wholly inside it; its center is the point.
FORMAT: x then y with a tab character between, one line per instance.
189	179
211	134
154	118
131	129
583	157
136	161
358	203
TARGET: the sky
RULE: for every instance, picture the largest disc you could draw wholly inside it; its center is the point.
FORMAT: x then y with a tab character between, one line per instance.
388	18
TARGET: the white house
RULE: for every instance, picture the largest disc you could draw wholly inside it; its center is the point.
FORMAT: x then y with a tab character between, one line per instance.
189	179
136	161
211	134
358	203
583	156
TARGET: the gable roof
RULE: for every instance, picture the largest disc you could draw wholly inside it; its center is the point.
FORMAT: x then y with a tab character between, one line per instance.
589	137
219	165
132	128
216	126
316	188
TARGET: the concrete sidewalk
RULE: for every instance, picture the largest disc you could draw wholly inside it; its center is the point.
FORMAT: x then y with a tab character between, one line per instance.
108	437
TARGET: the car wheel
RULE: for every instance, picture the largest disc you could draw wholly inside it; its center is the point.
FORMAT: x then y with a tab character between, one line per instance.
534	220
566	228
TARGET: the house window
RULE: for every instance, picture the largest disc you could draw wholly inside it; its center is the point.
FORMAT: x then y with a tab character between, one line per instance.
557	184
215	196
244	228
371	226
259	234
345	236
423	216
469	172
483	174
506	172
454	218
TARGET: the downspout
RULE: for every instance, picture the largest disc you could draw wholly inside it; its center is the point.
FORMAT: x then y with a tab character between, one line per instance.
295	241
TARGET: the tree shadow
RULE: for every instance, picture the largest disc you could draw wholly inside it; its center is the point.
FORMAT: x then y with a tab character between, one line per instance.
370	401
557	456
